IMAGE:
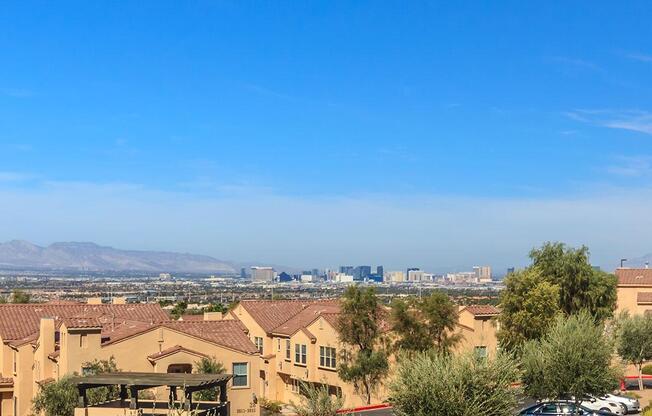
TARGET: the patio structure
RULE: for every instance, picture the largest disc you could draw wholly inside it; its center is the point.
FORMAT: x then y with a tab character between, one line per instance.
179	401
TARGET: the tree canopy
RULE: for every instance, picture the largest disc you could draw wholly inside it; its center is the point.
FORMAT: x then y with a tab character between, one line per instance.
560	280
430	384
634	341
364	361
426	323
208	365
573	359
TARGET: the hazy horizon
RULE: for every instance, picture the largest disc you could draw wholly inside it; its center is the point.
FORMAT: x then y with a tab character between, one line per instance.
320	134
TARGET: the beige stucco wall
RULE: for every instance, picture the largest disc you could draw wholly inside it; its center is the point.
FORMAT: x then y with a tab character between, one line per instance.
477	332
627	296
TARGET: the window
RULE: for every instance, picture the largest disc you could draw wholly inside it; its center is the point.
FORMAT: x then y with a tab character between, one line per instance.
296	385
83	341
300	353
15	363
278	345
288	350
240	375
481	351
327	357
259	344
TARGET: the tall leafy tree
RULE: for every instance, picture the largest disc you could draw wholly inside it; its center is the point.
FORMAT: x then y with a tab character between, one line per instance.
634	341
430	384
427	323
364	361
573	359
559	280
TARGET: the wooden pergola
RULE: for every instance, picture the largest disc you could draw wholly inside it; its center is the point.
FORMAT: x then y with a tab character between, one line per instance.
133	382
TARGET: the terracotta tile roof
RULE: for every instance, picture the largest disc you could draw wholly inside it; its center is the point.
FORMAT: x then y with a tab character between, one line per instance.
482	310
636	277
172	350
228	333
307	316
20	321
81	322
270	314
644	297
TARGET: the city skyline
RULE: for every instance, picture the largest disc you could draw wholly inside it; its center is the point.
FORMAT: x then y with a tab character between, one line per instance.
323	134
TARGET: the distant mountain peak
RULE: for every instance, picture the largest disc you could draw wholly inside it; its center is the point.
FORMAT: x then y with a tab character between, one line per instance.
90	256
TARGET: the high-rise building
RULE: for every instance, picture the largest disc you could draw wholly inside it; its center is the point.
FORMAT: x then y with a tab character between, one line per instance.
415	274
363	272
262	274
243	273
482	273
395	277
380	271
347	270
510	270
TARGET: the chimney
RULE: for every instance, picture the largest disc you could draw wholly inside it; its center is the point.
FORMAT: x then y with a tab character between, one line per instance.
212	316
46	335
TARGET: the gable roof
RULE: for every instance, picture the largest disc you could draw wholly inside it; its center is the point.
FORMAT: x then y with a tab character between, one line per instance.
634	277
271	313
21	321
307	316
482	310
173	350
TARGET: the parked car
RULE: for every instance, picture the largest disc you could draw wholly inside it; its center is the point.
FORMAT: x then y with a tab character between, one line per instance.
605	405
560	408
631	405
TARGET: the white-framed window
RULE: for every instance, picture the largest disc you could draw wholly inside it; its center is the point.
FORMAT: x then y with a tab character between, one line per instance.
259	344
327	357
300	353
278	344
288	350
296	385
240	374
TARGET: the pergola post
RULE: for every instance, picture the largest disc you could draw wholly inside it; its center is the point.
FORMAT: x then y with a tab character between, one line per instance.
83	399
123	395
224	402
173	394
188	399
133	403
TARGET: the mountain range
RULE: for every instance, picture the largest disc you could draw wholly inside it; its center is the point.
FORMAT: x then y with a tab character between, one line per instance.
76	256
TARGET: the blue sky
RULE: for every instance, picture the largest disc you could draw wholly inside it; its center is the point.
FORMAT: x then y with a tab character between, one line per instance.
321	133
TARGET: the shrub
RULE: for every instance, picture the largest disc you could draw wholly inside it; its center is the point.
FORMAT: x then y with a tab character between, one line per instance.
647	370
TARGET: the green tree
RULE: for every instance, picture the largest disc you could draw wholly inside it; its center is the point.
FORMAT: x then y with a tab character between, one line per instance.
364	360
422	324
431	384
179	309
574	359
529	305
208	365
215	307
20	296
559	280
634	341
316	401
58	398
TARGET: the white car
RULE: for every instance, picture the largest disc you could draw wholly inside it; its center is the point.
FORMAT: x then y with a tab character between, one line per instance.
631	405
604	405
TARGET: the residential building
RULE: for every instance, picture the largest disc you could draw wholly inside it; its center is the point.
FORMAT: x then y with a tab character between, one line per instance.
42	343
263	274
634	288
300	343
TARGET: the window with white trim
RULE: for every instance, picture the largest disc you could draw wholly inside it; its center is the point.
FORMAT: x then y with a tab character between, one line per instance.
327	357
300	354
240	374
259	344
288	350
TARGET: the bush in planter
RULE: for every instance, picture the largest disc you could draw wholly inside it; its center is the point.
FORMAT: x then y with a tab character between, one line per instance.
270	407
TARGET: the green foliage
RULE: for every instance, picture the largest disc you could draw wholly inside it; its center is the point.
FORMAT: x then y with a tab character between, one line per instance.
647	370
20	296
215	307
101	394
271	407
316	401
559	280
573	359
634	341
165	302
529	305
208	365
423	324
363	362
179	309
431	384
58	398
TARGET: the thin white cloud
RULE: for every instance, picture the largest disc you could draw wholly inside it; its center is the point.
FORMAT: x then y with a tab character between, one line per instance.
14	176
638	166
641	57
632	120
